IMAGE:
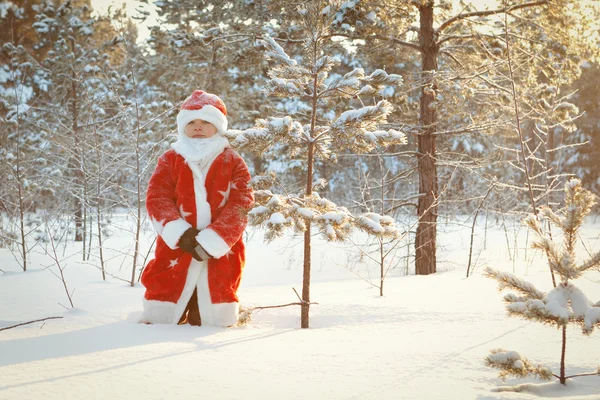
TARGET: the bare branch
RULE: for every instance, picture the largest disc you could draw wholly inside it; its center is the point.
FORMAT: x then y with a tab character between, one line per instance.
485	13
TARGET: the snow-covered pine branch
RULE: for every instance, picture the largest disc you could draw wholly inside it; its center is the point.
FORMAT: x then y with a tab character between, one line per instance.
593	262
511	363
506	280
277	213
271	212
325	64
382	83
579	203
354	129
334	222
383	139
266	133
262	182
378	225
564	304
287	78
345	87
276	52
280	87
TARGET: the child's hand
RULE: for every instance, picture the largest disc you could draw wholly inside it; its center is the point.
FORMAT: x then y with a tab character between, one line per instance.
187	241
200	254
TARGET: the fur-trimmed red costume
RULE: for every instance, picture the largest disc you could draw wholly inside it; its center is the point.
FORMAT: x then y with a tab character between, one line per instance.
213	196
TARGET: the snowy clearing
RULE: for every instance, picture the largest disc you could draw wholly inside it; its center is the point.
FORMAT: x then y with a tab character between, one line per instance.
426	338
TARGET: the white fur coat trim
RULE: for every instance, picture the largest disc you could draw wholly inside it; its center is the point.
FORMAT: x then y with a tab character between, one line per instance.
172	231
157	312
213	243
193	275
164	312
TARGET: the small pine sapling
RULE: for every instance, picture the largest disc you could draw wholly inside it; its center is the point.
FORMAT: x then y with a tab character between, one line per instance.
563	305
312	137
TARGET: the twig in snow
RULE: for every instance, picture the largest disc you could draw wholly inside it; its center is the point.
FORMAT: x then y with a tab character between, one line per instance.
246	314
26	323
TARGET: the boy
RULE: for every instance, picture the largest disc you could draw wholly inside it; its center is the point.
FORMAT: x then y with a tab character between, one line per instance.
197	201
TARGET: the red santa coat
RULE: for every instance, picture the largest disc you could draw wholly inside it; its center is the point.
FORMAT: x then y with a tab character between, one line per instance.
214	200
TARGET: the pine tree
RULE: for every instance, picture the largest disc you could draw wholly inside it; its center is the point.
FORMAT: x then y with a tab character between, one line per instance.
566	303
307	139
455	43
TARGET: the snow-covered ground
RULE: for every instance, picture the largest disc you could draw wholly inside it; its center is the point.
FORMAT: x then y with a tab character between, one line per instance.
426	338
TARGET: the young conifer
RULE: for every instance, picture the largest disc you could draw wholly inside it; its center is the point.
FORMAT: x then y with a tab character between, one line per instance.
563	305
306	138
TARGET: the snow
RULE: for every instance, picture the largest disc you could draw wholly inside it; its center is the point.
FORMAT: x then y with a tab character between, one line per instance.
505	357
566	300
258	210
277	219
4	7
592	316
333	216
306	212
278	52
426	338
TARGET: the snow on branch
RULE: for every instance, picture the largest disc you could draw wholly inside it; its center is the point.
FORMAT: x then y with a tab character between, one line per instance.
277	213
346	86
282	87
265	133
593	262
386	138
276	52
379	81
378	225
578	204
353	129
506	280
562	305
262	182
511	363
326	63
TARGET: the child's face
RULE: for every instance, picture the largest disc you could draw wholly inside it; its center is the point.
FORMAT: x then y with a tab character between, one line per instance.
200	129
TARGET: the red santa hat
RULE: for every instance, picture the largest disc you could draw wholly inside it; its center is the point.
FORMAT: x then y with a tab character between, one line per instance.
205	106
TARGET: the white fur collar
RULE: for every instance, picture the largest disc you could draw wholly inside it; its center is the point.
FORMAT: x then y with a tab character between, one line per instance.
200	151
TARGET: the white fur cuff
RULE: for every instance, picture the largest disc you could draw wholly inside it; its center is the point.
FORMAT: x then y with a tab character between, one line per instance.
212	243
173	230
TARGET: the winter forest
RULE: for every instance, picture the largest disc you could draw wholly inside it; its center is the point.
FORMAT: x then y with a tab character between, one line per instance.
424	174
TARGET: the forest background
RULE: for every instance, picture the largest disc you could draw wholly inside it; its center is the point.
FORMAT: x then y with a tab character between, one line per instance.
497	102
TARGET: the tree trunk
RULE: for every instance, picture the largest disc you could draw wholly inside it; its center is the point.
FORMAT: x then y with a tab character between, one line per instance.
20	194
138	172
76	166
562	378
305	307
258	164
425	241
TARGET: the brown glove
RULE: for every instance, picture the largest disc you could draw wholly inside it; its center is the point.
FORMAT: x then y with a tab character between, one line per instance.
188	243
